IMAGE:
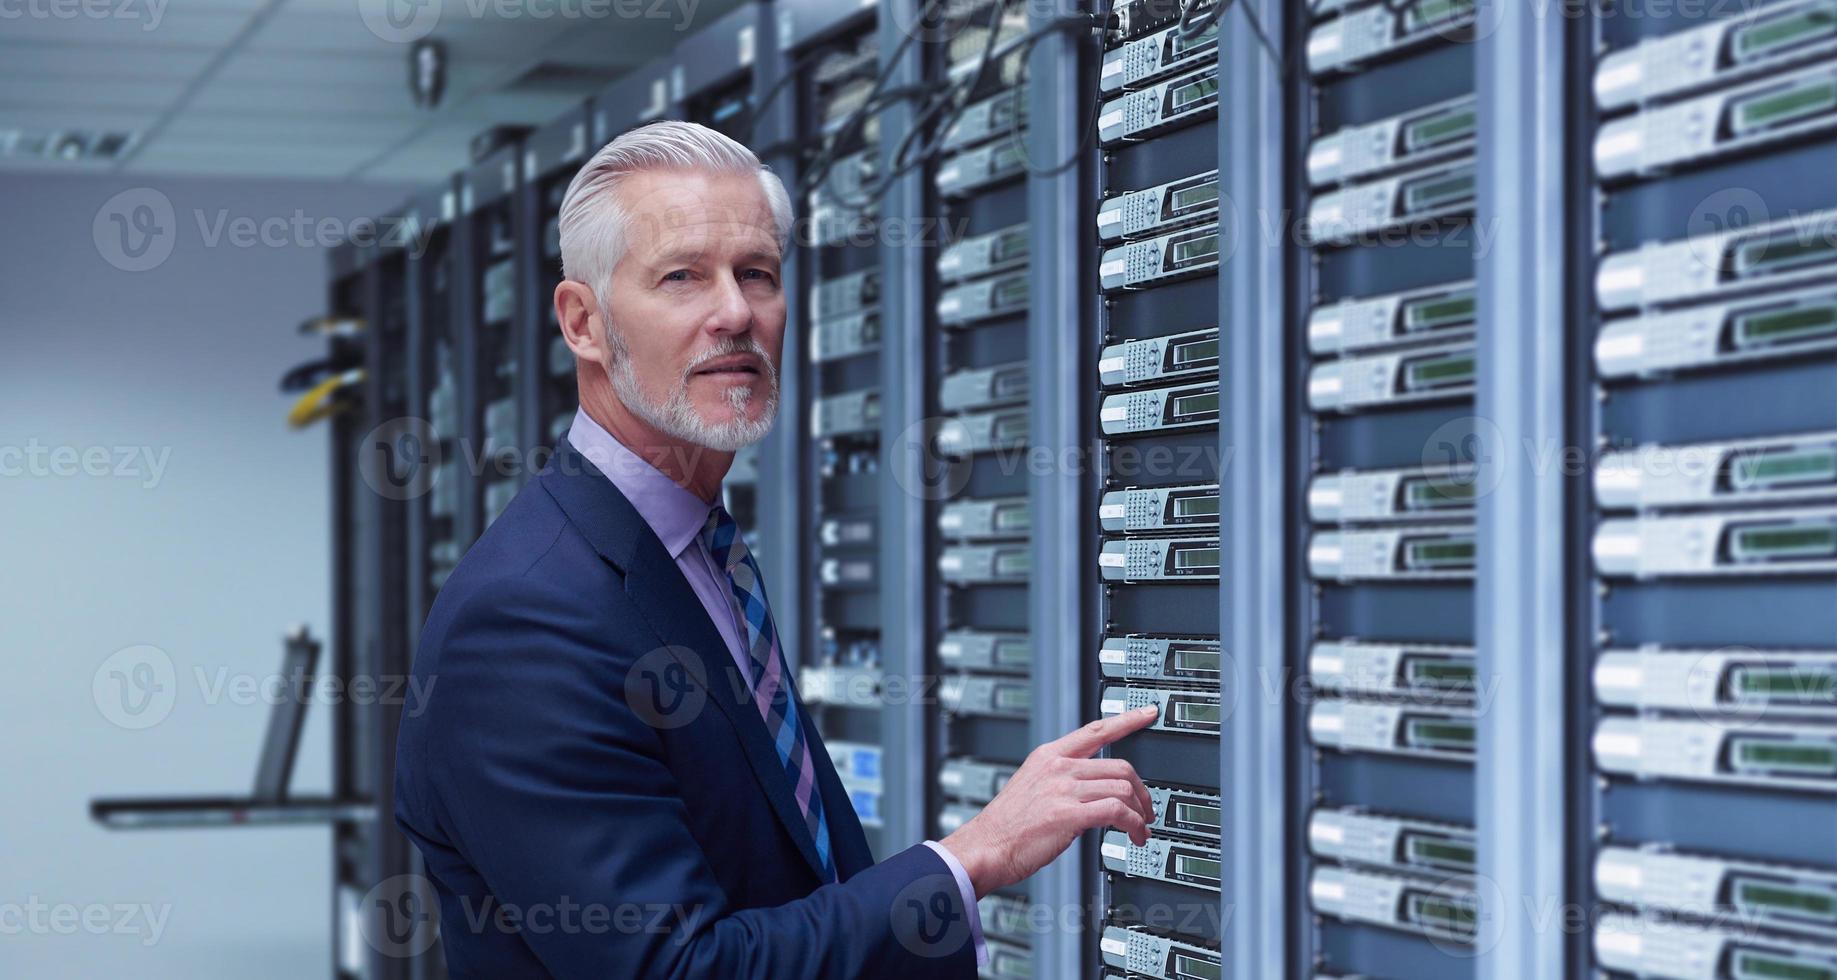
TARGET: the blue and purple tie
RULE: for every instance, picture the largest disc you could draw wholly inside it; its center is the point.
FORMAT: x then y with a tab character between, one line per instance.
770	692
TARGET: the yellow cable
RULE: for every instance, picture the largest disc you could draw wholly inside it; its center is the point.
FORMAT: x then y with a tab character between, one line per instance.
321	400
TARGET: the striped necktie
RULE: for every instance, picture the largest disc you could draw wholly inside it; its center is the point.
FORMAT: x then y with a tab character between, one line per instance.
770	691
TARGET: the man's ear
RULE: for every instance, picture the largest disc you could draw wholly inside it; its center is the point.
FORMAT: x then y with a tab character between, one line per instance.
576	309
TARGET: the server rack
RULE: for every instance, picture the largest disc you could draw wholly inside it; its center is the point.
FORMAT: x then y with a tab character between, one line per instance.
552	154
1152	368
842	309
1382	335
974	269
493	331
1709	833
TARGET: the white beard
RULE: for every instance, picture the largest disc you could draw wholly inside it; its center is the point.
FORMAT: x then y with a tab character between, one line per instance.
675	415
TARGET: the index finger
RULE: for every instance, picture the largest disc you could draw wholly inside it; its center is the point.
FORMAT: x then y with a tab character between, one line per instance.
1084	742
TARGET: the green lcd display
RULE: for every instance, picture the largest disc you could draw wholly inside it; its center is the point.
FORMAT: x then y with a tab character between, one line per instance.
1781	325
1439	372
1193	353
1786	757
1011	427
1012	518
1438	191
1787	899
1195	660
1010	383
1443	913
1009	245
1196	713
871	410
1445	126
1437	733
1438	493
1013	698
1197	815
1191	94
1776	468
1195	250
1783	251
1429	12
1770	36
1440	312
1013	563
1784	106
1187	558
1012	291
870	330
1179	44
1192	198
1784	541
1007	155
1205	505
1440	673
1190	866
1192	966
1439	852
1767	966
1013	652
1814	685
1427	553
1191	406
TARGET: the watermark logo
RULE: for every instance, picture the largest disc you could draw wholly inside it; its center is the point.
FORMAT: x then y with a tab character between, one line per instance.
136	687
400	459
399	918
667	687
400	21
1729	209
136	229
920	468
1471	449
927	918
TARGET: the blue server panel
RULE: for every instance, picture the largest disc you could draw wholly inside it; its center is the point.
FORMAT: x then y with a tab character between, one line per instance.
490	207
1382	332
442	533
1156	246
551	157
1712	503
840	675
976	271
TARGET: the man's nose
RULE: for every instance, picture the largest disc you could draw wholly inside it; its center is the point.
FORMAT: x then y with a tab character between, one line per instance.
732	314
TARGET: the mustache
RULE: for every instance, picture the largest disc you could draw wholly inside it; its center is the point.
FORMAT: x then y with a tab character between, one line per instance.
730	347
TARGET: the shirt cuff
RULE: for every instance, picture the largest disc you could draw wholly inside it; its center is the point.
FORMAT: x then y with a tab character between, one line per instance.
969	899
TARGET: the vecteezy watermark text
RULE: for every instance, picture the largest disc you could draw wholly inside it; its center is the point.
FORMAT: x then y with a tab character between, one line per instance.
36	459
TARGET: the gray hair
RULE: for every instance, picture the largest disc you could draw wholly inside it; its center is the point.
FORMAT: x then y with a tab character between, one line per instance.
593	224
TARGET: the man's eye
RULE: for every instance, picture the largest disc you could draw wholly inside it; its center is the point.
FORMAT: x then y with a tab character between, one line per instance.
680	275
758	274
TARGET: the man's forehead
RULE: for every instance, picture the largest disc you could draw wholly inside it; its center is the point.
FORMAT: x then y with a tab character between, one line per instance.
697	211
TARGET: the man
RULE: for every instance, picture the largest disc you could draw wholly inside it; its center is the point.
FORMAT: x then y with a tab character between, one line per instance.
614	739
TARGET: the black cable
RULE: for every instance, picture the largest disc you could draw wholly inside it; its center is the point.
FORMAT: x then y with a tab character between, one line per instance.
1096	20
791	72
819	168
934	116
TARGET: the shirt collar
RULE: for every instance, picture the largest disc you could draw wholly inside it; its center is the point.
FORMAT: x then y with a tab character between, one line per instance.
674	514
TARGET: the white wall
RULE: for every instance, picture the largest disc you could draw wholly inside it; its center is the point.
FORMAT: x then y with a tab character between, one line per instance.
208	557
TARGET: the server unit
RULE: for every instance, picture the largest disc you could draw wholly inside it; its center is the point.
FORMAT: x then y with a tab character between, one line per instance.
1154	405
1712	557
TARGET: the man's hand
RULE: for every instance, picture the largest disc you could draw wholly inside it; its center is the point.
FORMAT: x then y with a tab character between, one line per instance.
1057	794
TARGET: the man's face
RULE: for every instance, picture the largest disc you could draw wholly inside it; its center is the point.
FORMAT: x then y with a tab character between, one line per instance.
696	312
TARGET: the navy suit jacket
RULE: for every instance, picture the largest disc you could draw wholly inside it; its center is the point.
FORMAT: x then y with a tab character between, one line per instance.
593	789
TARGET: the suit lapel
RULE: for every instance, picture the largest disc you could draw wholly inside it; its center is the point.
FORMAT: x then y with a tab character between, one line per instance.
670	607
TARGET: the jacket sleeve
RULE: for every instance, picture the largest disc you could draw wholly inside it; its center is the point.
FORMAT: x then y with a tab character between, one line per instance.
555	789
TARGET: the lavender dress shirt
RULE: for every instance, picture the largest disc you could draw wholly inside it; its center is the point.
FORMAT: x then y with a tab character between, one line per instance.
677	517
